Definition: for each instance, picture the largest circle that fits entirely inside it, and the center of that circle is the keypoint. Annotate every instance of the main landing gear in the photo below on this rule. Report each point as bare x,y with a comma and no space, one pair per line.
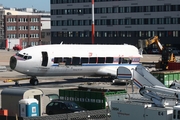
34,81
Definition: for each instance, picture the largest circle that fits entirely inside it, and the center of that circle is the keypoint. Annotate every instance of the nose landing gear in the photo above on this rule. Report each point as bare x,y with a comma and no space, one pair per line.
34,81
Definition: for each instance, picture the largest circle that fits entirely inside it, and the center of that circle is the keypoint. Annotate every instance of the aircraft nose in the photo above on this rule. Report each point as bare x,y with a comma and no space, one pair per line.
13,62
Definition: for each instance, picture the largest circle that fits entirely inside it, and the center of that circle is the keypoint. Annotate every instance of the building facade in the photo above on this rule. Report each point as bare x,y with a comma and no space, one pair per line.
116,21
2,37
25,27
17,23
46,30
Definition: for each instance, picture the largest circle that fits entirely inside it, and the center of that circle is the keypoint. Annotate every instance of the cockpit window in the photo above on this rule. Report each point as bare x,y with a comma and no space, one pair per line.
19,55
26,57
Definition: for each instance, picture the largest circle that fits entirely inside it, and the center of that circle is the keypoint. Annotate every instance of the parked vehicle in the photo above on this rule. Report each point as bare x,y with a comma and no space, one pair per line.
17,47
60,107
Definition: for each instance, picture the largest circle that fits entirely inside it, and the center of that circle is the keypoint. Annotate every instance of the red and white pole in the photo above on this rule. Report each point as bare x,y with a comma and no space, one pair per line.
93,28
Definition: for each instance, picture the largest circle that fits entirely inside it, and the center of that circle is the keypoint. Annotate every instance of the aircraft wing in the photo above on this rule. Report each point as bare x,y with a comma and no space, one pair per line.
107,71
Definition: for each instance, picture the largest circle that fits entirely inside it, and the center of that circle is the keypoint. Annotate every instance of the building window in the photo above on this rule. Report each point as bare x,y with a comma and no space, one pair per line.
11,19
109,10
70,34
59,34
86,22
98,34
103,10
86,34
75,22
81,34
175,33
53,23
34,35
69,22
23,20
65,34
23,35
34,28
42,34
97,22
12,36
115,9
23,27
34,20
104,34
81,22
9,28
121,9
115,21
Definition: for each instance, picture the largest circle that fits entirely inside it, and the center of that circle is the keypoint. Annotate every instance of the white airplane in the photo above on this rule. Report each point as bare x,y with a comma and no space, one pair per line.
74,60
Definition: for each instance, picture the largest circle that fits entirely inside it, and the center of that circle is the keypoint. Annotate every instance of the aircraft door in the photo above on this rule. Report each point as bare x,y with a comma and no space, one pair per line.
44,59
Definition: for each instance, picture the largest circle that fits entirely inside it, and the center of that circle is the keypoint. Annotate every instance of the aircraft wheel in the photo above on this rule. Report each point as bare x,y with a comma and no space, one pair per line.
17,83
34,81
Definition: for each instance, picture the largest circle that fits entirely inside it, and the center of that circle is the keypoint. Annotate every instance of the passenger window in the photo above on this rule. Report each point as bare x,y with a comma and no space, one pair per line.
68,61
92,60
75,60
125,60
57,59
84,60
101,60
109,60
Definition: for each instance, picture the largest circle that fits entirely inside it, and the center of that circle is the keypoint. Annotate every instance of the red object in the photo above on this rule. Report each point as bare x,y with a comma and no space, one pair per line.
17,47
4,112
173,66
7,44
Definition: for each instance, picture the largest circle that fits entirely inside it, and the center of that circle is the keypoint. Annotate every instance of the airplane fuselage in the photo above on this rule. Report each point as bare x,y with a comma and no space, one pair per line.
74,60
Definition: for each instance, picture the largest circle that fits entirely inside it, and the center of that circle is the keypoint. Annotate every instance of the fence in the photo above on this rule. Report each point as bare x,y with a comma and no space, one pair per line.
103,114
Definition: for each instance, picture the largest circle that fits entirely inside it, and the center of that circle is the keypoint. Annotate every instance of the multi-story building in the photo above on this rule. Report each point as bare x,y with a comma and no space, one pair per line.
2,38
116,21
25,24
25,27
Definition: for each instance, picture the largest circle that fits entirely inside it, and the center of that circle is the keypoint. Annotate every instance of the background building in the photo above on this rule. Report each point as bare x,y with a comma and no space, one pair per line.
116,22
25,27
45,30
25,24
2,38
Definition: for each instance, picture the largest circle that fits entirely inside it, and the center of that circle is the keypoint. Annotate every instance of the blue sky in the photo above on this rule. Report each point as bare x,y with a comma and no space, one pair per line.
38,4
